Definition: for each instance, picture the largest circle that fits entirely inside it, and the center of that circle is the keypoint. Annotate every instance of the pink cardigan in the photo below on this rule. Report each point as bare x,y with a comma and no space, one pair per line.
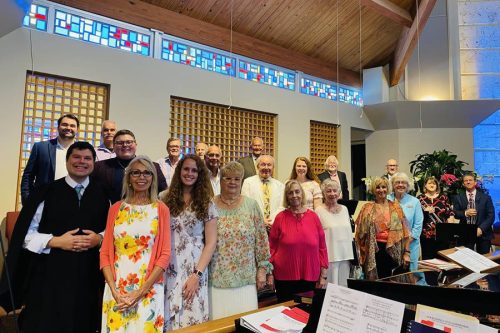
160,255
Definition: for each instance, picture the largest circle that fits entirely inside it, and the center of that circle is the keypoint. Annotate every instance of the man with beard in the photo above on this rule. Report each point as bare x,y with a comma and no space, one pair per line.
212,161
110,172
105,150
53,257
47,159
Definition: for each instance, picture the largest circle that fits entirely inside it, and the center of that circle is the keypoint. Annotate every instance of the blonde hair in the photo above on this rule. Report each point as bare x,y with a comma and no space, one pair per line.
288,186
128,191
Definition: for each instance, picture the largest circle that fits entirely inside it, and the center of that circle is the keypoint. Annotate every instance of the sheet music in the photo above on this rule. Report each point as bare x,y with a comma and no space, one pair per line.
468,279
448,321
471,259
347,311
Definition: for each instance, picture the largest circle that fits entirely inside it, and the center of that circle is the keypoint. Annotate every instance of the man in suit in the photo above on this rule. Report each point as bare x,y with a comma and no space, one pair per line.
250,162
475,207
391,168
331,171
47,158
110,172
267,191
53,256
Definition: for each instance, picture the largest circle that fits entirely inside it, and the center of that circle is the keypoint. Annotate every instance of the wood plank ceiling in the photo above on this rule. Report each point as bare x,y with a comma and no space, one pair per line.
296,34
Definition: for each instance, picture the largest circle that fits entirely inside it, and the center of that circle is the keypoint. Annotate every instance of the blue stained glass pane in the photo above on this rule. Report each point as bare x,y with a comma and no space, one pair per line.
132,37
41,25
177,58
105,32
61,31
42,10
112,42
145,38
26,21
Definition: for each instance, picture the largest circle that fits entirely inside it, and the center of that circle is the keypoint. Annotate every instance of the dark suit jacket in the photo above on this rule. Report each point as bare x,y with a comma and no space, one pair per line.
248,165
344,186
40,168
485,211
104,172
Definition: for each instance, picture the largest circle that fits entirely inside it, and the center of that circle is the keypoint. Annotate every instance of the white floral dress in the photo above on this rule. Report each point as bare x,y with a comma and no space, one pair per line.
186,234
135,230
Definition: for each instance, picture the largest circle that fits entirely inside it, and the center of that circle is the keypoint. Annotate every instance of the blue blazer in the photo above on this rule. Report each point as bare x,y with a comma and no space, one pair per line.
40,168
484,208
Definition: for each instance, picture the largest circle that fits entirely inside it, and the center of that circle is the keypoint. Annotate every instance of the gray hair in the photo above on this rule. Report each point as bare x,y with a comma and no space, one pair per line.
401,176
329,159
262,156
330,183
128,191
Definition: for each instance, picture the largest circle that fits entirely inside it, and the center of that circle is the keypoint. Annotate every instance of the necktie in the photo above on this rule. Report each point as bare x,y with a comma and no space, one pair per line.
78,190
267,199
471,204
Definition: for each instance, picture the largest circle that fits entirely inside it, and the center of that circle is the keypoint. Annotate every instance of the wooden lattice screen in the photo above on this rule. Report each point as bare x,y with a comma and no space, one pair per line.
46,99
232,129
323,143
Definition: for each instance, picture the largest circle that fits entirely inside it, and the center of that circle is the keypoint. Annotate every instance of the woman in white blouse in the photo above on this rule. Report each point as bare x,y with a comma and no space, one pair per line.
338,233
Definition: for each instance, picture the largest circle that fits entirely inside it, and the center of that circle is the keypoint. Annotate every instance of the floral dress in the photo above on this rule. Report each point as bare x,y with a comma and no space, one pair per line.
186,234
135,230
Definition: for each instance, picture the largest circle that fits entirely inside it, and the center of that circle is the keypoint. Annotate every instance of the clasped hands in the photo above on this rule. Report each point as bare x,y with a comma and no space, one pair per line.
70,241
264,279
125,301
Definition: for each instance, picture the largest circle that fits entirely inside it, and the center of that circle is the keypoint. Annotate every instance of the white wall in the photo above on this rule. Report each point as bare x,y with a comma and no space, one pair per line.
405,144
435,83
140,99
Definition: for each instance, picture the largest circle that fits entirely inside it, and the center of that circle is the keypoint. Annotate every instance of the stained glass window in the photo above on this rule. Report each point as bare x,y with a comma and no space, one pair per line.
71,25
266,75
197,57
37,17
329,91
316,88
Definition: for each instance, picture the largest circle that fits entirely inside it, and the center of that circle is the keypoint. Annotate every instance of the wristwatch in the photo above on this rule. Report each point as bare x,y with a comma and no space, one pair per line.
197,272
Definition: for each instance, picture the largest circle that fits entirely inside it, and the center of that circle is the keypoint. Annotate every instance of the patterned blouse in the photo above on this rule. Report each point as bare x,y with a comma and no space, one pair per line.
242,246
442,209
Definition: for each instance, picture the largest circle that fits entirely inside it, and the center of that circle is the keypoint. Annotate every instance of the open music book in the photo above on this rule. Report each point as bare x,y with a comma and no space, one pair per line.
470,259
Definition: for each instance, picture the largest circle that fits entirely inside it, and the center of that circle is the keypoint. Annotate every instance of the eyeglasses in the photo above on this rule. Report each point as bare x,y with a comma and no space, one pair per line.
137,173
213,155
124,143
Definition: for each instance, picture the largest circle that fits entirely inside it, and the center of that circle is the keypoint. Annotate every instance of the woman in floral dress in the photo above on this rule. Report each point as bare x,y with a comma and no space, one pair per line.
437,209
240,265
134,254
194,237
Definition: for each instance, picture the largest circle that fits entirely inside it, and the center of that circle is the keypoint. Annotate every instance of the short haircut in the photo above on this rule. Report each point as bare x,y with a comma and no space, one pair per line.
288,186
435,181
232,168
377,182
173,139
263,156
471,174
404,177
330,159
80,145
327,183
70,116
123,132
127,189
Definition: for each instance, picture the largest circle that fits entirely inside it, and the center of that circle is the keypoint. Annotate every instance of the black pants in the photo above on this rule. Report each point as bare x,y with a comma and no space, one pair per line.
285,289
384,262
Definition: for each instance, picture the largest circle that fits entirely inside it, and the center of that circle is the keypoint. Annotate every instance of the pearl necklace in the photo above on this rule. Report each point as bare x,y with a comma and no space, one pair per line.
229,203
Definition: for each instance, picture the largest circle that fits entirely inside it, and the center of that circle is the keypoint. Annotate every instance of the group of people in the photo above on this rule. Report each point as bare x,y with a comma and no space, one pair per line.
397,229
184,239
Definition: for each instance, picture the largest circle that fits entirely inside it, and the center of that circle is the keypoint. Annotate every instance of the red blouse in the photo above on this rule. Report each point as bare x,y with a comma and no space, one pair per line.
298,247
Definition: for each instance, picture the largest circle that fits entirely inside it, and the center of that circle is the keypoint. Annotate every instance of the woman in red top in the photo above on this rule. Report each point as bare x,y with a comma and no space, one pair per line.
298,248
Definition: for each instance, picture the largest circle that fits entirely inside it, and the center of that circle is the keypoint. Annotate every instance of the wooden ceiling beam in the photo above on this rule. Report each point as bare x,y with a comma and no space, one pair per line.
408,41
389,10
146,15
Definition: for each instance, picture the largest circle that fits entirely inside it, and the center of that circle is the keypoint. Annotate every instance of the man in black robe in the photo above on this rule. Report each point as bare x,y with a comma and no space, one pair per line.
54,255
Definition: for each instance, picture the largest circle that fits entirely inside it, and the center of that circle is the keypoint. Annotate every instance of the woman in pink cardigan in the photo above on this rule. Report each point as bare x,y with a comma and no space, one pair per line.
134,254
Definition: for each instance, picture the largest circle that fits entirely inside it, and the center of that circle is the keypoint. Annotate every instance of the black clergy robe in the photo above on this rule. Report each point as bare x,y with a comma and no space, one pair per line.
62,292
